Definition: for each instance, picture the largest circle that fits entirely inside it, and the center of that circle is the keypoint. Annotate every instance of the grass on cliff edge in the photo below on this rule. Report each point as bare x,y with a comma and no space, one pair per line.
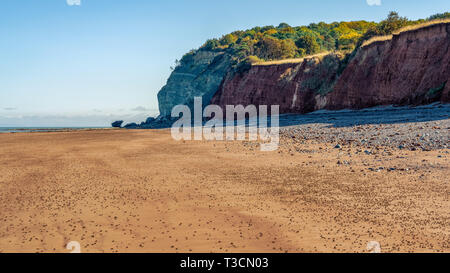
404,29
291,61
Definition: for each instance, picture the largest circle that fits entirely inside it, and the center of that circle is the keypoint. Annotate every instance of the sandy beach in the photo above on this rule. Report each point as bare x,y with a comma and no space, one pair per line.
141,191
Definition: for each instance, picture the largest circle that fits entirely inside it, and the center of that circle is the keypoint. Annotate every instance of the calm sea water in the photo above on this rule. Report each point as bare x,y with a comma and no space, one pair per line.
42,129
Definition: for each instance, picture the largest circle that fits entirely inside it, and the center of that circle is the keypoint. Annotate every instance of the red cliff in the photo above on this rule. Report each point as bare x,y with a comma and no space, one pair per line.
411,68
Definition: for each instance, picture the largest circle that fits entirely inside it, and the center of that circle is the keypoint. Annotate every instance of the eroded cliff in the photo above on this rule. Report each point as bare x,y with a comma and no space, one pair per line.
411,68
293,86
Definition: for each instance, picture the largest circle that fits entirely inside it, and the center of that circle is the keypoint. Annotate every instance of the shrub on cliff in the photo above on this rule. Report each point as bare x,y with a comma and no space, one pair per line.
246,64
386,27
253,59
285,41
392,23
228,39
283,25
188,57
438,16
211,44
270,48
346,42
245,48
309,44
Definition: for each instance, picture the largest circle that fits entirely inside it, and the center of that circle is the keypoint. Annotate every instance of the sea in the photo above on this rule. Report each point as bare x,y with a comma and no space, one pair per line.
43,129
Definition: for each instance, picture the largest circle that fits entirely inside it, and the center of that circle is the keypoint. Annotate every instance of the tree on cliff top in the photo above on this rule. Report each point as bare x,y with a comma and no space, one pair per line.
437,16
309,44
284,41
392,23
270,48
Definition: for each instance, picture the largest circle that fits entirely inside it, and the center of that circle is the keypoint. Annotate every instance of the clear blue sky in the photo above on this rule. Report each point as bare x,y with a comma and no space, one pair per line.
88,64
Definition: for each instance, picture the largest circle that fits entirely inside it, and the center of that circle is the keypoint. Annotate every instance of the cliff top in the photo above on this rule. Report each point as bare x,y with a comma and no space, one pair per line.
284,44
291,61
409,28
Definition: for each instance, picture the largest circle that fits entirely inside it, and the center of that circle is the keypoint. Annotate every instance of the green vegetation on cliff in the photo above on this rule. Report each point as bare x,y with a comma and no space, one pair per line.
286,42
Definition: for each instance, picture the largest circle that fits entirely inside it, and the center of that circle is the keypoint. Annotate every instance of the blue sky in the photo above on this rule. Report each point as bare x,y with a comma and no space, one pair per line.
89,64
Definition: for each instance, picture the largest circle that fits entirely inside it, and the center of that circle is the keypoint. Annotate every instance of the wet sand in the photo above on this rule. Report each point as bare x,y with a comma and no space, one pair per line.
141,191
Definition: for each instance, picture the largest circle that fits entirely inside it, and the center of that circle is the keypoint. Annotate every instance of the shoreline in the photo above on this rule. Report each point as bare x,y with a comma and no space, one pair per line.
13,130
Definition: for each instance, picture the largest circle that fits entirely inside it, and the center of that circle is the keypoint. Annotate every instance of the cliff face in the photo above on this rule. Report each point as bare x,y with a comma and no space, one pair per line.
412,68
199,75
293,86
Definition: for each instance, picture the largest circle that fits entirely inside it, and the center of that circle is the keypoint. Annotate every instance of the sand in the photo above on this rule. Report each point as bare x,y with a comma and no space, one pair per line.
141,191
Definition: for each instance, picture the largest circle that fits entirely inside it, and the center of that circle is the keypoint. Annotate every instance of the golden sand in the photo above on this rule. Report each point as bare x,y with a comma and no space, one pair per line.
141,191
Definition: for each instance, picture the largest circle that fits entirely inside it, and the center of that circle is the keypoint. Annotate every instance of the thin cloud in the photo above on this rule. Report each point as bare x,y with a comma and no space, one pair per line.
68,120
374,2
73,2
140,109
9,108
